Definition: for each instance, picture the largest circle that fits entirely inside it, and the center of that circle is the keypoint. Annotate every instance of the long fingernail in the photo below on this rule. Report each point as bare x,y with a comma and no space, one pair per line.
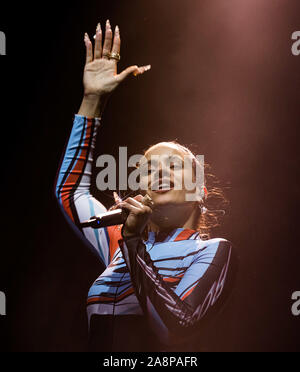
116,197
98,29
108,24
147,68
117,30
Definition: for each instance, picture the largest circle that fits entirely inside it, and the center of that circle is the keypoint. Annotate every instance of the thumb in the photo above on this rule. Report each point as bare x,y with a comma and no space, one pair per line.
125,73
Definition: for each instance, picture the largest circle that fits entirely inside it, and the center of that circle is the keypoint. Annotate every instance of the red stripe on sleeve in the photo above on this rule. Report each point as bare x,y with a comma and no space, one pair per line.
76,172
115,235
188,292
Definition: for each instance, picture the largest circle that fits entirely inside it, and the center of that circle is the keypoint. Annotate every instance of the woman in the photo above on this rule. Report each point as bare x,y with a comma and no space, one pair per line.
161,278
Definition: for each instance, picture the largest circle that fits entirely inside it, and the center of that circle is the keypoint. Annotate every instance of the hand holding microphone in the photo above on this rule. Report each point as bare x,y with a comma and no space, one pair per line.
139,210
134,213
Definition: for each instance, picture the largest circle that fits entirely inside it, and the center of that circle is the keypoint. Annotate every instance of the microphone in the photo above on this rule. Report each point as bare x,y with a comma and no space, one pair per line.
115,217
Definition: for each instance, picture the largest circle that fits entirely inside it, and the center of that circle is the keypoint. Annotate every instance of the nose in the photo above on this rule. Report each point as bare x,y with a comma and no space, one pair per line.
161,171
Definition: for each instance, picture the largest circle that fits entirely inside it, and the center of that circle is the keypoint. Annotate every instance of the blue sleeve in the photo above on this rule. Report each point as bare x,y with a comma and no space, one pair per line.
72,187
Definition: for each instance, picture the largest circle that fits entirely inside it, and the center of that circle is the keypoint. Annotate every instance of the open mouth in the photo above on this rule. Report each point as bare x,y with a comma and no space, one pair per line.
162,186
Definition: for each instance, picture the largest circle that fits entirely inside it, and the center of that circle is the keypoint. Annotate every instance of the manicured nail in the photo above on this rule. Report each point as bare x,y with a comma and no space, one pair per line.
117,30
108,24
116,197
147,68
98,29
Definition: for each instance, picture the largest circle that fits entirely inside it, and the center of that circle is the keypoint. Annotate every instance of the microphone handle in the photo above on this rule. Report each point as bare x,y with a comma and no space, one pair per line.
111,218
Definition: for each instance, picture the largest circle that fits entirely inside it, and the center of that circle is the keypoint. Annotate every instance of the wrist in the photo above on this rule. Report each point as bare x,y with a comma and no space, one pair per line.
92,105
129,235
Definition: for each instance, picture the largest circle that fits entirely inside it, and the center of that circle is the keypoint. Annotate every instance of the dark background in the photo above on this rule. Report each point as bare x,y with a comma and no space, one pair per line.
223,79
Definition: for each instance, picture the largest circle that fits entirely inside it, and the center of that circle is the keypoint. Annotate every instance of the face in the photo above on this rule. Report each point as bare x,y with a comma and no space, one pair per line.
166,173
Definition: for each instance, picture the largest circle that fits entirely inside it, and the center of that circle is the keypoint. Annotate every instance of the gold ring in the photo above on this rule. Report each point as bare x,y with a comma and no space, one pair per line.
115,56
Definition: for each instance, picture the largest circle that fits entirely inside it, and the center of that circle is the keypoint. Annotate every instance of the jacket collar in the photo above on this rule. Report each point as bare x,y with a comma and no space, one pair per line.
174,236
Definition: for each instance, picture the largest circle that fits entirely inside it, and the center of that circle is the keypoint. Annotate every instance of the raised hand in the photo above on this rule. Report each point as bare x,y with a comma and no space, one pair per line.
100,71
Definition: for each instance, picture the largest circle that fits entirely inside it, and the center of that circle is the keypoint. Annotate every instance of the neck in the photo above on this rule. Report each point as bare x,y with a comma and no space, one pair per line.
167,218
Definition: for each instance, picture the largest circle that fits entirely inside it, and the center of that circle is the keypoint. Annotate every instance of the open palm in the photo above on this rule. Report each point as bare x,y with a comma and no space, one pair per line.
100,71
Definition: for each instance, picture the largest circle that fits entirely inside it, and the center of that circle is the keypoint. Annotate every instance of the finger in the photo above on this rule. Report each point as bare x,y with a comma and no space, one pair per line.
89,50
135,210
129,207
147,201
124,74
116,206
141,208
107,40
139,198
134,202
142,69
98,42
117,41
116,197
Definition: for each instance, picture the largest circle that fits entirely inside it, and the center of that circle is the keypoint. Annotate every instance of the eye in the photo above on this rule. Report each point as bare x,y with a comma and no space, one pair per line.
151,170
176,166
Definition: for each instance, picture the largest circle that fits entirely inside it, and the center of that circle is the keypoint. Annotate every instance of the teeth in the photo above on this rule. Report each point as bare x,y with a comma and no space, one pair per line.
164,186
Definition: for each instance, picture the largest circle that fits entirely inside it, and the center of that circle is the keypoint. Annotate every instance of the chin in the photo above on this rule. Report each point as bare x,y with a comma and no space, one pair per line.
170,197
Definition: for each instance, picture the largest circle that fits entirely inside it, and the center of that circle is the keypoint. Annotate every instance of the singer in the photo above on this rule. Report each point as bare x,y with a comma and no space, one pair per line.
164,274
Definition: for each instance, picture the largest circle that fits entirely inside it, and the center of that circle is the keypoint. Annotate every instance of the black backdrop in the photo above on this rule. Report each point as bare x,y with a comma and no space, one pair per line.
223,79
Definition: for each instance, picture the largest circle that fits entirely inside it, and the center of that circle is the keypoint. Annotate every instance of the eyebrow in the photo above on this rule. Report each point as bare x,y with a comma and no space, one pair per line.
171,157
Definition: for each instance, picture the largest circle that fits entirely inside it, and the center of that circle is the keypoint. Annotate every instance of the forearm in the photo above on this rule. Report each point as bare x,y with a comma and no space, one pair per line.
73,185
92,106
74,174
